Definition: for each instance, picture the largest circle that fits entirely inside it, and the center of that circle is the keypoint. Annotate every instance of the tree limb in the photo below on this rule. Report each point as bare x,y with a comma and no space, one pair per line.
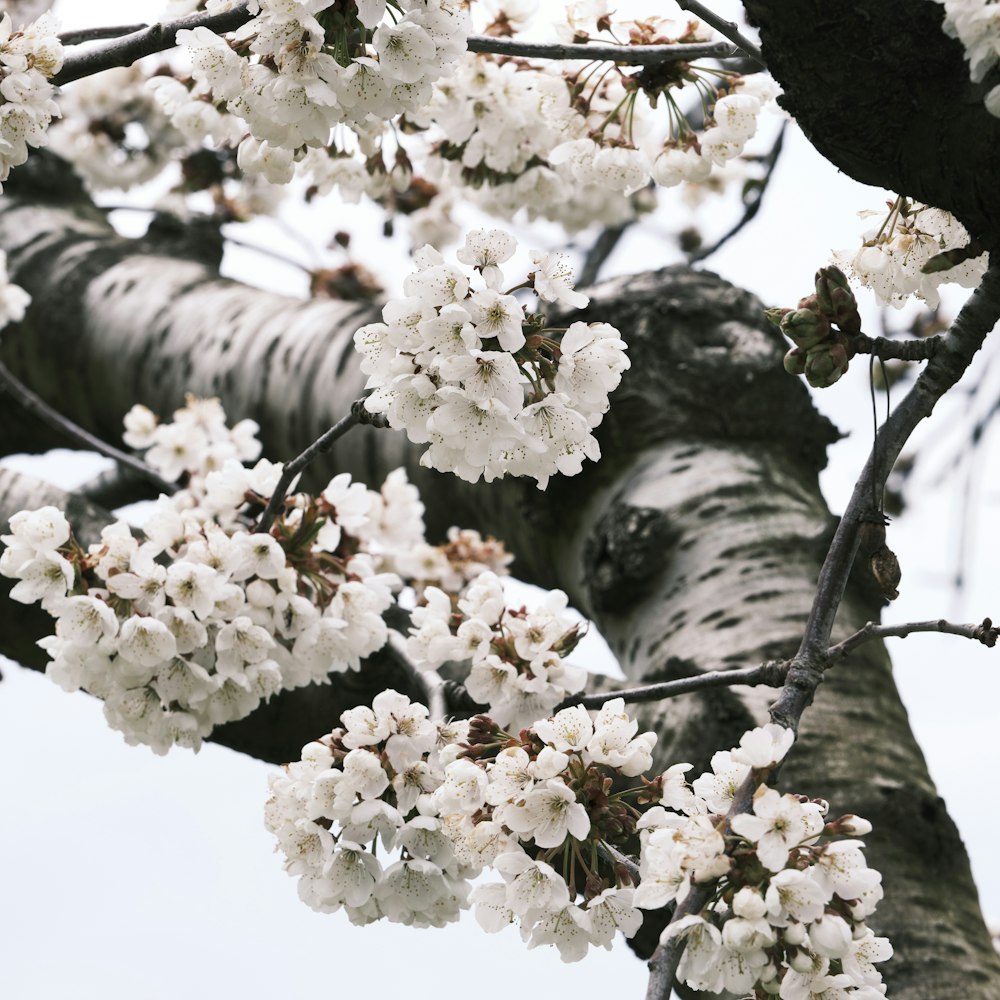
728,29
985,633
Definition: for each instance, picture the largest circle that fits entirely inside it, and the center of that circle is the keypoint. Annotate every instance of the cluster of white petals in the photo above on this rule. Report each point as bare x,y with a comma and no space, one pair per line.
976,24
294,71
28,58
455,799
518,657
199,620
795,924
891,258
367,789
452,366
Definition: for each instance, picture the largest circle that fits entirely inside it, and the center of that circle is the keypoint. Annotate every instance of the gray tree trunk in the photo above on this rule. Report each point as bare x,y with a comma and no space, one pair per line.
694,545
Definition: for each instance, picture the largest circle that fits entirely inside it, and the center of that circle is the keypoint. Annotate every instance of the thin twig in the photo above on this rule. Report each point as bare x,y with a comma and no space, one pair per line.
728,29
36,405
82,35
267,252
985,633
429,683
357,415
751,204
771,673
631,55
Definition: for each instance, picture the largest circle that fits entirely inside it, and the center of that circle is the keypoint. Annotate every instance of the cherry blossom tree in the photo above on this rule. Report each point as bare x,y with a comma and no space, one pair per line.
642,445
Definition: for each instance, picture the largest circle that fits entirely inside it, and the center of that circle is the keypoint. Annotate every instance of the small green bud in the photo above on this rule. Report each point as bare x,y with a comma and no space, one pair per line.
844,310
795,361
805,327
825,365
776,315
827,279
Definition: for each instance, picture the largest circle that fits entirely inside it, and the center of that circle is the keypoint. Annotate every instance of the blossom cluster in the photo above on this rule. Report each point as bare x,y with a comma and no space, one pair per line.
28,58
457,798
294,71
787,914
486,385
551,809
976,24
892,257
202,618
518,658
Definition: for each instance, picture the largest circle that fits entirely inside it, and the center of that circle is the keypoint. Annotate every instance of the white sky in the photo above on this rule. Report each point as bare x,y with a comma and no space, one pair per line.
126,876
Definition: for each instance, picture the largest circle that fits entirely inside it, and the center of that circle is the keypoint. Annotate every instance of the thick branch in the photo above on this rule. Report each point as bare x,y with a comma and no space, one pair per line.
911,349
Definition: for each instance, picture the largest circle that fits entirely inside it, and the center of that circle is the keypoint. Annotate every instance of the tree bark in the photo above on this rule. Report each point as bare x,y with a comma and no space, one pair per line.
885,95
694,545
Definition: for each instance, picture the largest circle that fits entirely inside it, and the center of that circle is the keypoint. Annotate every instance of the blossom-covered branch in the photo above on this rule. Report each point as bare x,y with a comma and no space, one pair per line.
985,632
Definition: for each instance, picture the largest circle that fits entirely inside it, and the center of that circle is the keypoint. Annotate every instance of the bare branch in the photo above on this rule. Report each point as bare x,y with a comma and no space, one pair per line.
951,359
663,964
728,29
632,55
751,204
357,415
912,349
82,35
602,247
986,633
615,857
34,403
771,673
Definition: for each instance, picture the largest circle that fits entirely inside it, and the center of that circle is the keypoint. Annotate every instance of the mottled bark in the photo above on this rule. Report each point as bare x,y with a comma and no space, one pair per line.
694,545
885,95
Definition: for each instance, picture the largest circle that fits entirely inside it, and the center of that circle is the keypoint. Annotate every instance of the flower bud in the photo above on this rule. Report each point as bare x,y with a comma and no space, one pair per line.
850,826
830,936
805,327
825,365
794,935
776,315
885,569
844,311
795,361
801,961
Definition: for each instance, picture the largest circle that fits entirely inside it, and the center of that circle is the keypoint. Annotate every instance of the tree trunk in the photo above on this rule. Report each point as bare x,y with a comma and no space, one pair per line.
694,544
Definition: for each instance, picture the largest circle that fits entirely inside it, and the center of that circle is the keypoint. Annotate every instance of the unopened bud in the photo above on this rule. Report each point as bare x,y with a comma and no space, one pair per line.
801,961
850,826
844,310
776,315
825,365
885,569
805,327
795,361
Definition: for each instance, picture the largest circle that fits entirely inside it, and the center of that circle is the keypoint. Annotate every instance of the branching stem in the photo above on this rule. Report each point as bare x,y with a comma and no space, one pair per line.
728,29
986,633
357,415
